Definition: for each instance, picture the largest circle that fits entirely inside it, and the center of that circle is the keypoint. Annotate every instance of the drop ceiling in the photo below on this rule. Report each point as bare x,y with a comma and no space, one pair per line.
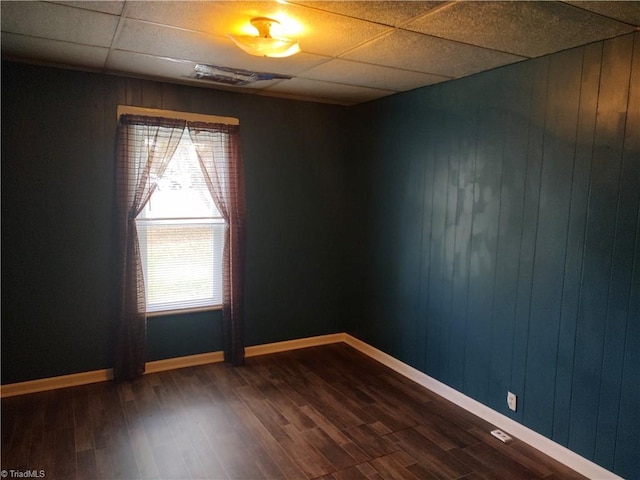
352,51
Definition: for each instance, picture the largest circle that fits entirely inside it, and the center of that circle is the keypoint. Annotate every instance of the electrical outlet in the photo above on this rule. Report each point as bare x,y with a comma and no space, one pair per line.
500,435
512,401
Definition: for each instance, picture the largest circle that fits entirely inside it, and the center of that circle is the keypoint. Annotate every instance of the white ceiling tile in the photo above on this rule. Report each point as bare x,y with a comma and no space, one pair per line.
58,22
318,32
54,51
529,29
120,61
149,66
153,39
626,11
414,51
351,51
198,16
331,34
179,44
326,92
375,76
106,6
386,12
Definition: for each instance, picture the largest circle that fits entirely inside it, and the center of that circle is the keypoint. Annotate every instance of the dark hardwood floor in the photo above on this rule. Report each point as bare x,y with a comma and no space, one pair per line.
325,412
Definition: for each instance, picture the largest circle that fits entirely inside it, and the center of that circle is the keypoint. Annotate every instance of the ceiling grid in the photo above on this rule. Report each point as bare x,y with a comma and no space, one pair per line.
352,51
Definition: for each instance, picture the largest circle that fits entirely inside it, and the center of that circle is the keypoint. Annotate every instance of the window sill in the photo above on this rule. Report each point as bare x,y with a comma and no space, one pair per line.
179,311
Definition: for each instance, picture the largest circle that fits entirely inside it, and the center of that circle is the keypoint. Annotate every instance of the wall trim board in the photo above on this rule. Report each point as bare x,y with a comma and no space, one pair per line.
189,116
95,376
183,362
53,383
523,433
285,346
84,378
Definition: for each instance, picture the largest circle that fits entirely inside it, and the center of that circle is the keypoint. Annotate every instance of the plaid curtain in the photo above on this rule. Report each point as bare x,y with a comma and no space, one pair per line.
145,147
218,149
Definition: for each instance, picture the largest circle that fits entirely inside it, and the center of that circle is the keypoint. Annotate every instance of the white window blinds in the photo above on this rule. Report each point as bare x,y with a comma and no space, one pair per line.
181,237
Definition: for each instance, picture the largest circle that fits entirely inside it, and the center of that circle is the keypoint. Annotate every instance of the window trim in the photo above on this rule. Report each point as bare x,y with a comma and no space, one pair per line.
171,305
190,117
180,311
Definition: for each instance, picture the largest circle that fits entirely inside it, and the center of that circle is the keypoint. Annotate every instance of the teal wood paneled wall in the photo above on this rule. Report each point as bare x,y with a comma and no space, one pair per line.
58,252
501,245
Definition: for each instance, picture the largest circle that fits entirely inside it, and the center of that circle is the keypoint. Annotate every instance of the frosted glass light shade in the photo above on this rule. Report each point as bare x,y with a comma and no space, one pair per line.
264,45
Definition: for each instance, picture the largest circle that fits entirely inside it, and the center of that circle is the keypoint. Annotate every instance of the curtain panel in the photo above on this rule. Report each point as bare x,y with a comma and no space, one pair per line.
145,145
218,150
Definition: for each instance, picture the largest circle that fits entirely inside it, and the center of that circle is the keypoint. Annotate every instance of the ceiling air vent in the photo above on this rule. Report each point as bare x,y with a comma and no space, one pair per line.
232,76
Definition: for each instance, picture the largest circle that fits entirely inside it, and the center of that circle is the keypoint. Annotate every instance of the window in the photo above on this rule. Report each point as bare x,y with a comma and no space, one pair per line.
181,237
175,251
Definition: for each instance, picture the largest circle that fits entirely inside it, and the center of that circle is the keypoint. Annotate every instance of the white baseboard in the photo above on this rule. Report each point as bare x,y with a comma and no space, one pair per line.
53,383
525,434
537,441
183,362
95,376
268,348
84,378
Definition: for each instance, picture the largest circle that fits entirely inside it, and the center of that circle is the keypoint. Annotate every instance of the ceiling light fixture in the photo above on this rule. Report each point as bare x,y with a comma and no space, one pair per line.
264,45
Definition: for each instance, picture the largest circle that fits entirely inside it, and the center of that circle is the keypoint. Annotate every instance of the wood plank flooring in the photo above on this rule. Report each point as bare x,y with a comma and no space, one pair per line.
324,412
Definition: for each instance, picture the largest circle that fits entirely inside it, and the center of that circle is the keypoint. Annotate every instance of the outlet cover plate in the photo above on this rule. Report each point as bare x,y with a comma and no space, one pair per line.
500,435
